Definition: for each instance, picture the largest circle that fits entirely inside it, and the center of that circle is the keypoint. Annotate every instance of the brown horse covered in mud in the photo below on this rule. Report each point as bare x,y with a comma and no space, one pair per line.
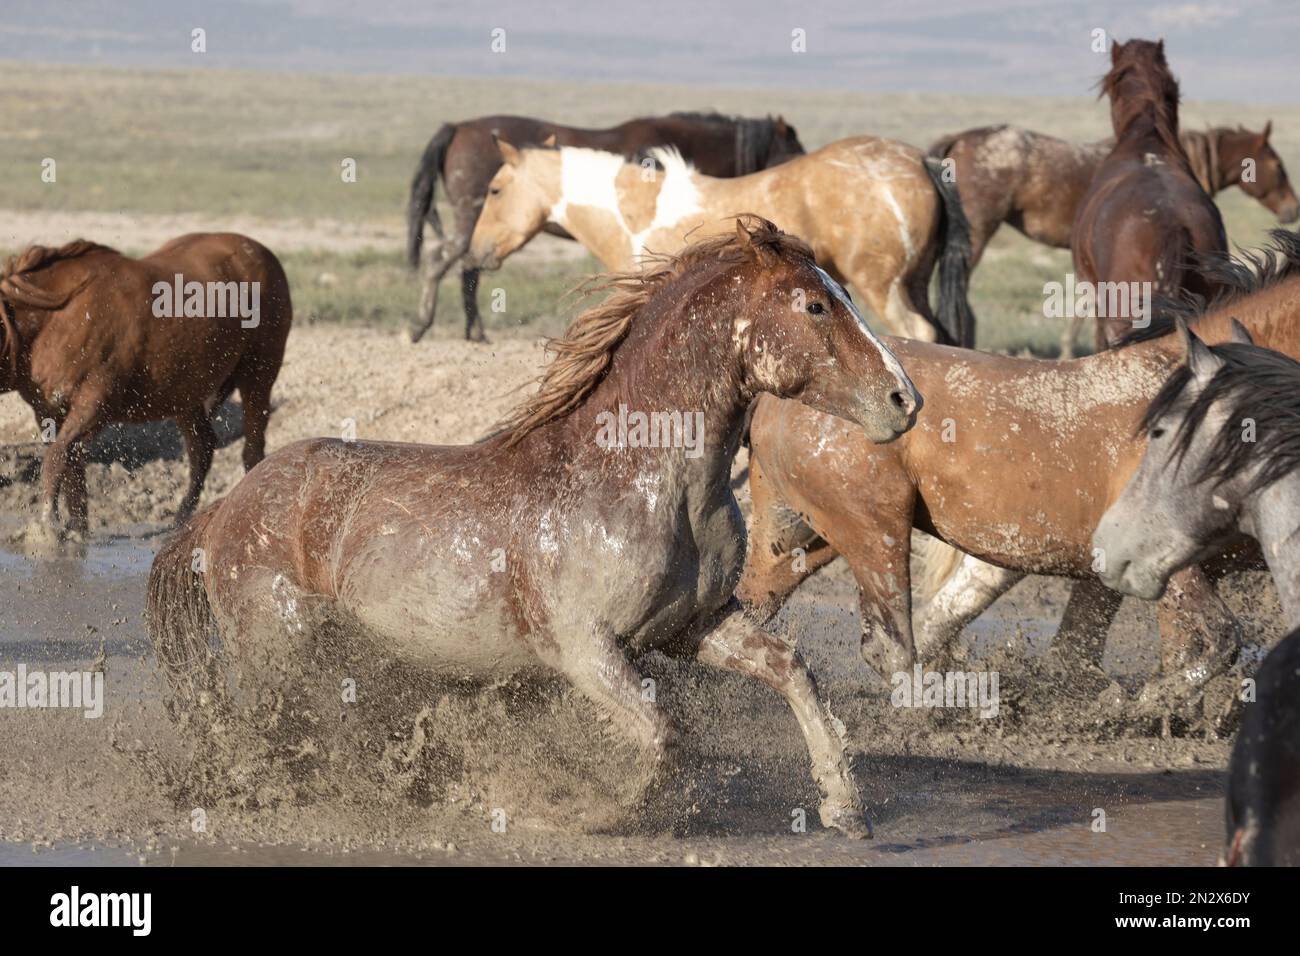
558,544
91,336
876,212
1014,461
1145,221
464,156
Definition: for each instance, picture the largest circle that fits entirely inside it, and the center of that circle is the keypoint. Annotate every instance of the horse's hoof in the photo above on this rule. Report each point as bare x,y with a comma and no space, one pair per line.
416,332
851,821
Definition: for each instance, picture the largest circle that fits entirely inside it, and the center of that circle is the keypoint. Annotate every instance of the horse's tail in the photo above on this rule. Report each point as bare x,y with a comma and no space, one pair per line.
938,562
954,314
421,207
177,611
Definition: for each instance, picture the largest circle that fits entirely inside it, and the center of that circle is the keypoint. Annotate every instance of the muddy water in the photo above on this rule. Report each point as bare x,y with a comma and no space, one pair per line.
77,791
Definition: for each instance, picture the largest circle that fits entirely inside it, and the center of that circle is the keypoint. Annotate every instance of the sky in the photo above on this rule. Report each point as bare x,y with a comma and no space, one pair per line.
1244,50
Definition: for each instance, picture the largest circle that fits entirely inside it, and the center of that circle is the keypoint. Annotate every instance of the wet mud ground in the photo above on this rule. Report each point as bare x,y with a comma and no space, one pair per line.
1025,787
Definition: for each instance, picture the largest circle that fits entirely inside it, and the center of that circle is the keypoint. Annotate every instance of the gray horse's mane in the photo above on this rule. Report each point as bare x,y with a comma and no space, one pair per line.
1237,277
1254,383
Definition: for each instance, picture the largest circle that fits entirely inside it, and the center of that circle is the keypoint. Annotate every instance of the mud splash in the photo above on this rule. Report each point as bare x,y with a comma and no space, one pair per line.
114,790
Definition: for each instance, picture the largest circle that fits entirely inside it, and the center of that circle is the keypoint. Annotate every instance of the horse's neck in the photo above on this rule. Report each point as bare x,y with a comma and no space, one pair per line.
1272,517
601,231
684,367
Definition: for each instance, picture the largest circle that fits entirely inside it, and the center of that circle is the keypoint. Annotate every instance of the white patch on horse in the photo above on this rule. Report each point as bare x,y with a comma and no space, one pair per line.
587,178
678,197
891,363
903,233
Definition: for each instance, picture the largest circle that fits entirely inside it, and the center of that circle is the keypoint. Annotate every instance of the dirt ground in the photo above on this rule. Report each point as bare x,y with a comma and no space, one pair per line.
1027,786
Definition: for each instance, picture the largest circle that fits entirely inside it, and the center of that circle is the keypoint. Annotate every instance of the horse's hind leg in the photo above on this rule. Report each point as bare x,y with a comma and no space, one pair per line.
200,443
737,644
967,593
65,452
74,490
469,297
439,262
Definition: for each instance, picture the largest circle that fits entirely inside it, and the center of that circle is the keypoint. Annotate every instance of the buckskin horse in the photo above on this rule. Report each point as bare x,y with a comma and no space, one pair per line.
1067,428
875,211
1144,221
609,551
464,156
85,344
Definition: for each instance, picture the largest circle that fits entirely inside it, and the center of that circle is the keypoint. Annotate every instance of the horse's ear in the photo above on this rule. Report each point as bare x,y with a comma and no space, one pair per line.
1115,47
1268,131
1240,334
1201,362
509,155
549,142
748,240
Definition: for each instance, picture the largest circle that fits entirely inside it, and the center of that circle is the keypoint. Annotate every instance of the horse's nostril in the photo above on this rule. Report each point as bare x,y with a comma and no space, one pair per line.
901,400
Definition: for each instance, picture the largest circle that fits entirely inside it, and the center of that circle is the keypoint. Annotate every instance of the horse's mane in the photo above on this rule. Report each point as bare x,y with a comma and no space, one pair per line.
1202,151
17,289
1255,383
584,353
1235,277
753,136
15,286
1154,92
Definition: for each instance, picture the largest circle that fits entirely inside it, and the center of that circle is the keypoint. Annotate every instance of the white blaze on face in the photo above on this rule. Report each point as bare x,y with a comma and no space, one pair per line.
891,363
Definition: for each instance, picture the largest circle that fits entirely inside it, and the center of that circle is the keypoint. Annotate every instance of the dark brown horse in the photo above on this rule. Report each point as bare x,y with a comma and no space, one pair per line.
1145,221
91,336
597,524
465,157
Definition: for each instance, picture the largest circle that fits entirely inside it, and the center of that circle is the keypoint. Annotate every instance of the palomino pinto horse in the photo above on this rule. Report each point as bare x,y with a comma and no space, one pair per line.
611,549
874,211
1144,219
1199,486
84,346
1064,429
464,155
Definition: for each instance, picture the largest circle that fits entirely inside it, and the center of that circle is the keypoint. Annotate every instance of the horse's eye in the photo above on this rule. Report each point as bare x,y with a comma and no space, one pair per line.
816,308
1157,433
494,191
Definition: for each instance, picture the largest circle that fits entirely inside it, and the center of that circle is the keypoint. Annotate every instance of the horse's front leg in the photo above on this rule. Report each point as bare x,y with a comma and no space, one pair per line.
601,672
737,644
1199,639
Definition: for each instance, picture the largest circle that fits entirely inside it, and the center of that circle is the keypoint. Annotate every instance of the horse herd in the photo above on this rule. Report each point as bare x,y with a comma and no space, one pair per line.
541,549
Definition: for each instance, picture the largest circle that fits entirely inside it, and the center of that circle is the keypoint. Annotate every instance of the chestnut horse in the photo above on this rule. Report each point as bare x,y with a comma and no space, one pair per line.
1035,182
464,156
1064,430
875,211
554,545
1144,219
91,336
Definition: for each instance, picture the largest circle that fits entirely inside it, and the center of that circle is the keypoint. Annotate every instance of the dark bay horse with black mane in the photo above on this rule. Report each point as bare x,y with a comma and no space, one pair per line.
1145,221
464,156
552,545
87,339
